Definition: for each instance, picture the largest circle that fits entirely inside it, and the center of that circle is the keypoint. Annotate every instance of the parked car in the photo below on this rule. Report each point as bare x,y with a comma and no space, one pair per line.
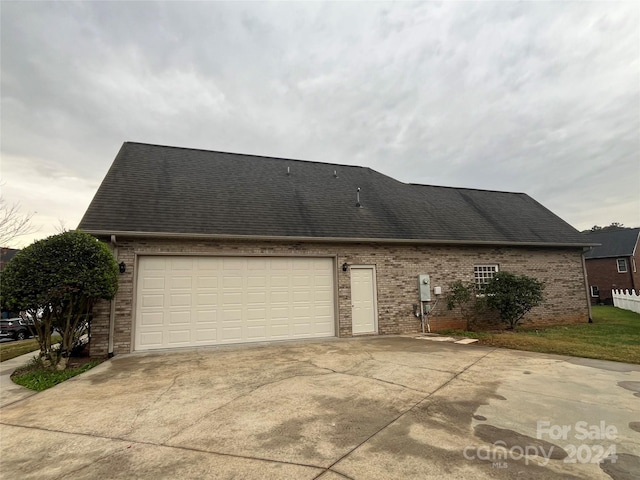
16,328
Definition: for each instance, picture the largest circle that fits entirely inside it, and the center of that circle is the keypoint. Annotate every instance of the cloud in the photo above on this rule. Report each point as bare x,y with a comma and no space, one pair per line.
535,97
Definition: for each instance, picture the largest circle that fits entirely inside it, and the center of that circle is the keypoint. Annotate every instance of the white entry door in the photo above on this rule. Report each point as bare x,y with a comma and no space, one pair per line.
363,300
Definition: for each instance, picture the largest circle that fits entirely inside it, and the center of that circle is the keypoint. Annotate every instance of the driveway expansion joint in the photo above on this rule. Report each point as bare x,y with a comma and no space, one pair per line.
163,445
402,414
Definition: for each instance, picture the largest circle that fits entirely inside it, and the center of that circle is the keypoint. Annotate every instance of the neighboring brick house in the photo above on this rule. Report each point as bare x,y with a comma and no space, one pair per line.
612,264
223,248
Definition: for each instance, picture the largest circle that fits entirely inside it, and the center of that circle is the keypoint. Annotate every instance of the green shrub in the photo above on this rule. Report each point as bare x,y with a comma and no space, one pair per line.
57,281
512,296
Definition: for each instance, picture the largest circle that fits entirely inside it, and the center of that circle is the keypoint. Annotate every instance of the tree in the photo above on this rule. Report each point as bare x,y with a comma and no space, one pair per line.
56,281
13,224
513,296
609,228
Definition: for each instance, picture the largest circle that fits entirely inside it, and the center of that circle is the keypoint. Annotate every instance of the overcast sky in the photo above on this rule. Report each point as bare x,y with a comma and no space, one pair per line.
534,97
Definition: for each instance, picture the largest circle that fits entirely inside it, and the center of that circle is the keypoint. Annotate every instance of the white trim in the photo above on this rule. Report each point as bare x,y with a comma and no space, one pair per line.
138,256
375,298
409,241
626,265
596,295
494,266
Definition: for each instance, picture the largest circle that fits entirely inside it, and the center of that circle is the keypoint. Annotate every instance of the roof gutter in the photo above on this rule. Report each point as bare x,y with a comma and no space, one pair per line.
416,241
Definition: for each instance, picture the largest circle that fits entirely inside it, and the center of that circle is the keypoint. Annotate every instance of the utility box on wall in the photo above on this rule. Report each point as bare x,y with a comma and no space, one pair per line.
424,286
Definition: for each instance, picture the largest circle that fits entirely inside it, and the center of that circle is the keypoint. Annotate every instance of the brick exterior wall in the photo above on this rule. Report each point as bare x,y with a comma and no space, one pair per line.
397,269
603,273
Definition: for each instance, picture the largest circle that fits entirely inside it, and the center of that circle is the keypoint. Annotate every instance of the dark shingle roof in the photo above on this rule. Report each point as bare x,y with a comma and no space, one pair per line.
169,190
616,243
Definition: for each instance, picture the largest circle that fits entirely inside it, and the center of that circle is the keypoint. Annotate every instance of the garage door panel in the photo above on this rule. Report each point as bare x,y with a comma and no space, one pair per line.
203,317
279,298
279,281
321,329
206,299
179,336
232,281
234,298
323,297
181,282
234,263
207,263
279,313
302,296
211,300
302,264
151,340
276,264
180,300
206,336
323,281
149,301
153,283
301,311
178,264
300,281
257,264
257,332
152,319
257,281
207,282
232,315
256,314
256,298
232,334
179,318
323,312
301,329
280,331
153,263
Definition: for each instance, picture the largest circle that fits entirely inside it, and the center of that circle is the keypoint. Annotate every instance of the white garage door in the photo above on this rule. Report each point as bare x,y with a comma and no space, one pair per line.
187,301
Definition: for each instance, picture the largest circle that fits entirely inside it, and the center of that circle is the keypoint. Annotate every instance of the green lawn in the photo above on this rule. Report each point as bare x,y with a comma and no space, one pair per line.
613,335
11,350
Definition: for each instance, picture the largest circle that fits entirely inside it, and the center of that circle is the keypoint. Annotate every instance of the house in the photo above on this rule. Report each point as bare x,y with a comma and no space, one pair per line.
6,254
218,248
612,264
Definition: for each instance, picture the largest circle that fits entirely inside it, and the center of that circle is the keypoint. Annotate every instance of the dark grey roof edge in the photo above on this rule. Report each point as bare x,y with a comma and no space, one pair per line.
473,189
108,233
609,256
254,155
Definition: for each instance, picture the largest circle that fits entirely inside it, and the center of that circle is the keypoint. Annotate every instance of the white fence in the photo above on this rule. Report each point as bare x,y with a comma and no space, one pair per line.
627,300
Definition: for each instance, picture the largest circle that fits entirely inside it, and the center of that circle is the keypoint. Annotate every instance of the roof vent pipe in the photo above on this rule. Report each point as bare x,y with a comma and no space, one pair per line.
358,198
288,171
335,174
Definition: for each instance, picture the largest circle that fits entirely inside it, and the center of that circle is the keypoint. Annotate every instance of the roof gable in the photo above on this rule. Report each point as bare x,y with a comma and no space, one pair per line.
169,190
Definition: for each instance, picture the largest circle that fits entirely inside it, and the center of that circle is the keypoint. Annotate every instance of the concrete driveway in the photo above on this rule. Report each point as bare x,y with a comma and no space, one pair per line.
367,408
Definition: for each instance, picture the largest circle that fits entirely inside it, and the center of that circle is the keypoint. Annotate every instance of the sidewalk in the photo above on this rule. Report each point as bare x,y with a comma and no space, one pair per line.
9,391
